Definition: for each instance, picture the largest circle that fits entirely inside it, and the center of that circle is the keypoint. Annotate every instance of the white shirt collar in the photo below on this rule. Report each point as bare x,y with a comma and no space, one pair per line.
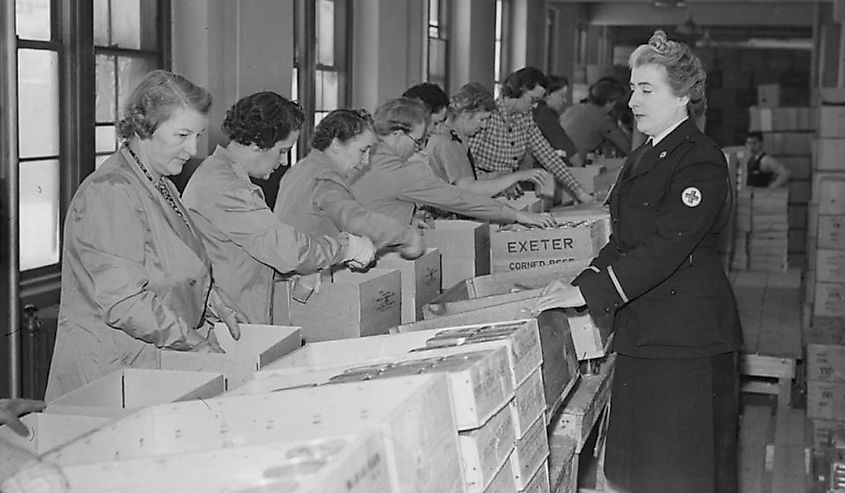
663,134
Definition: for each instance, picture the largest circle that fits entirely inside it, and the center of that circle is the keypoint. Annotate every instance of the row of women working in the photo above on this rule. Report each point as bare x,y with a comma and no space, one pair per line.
143,268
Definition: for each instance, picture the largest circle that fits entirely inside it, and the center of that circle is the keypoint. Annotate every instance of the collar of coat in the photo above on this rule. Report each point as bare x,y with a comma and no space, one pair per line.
650,156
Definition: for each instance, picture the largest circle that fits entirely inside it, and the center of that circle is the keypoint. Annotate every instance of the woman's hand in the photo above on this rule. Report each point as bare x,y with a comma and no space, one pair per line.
413,249
221,307
12,409
557,295
210,344
584,197
534,219
537,175
360,252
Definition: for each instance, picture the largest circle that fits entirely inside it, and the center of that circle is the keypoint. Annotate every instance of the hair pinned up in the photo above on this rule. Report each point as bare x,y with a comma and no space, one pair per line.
684,70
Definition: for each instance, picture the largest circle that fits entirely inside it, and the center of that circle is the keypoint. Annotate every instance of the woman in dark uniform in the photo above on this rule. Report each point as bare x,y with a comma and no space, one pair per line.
673,418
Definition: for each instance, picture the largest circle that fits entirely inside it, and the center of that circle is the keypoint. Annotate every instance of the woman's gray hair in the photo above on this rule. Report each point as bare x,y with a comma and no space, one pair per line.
154,100
684,70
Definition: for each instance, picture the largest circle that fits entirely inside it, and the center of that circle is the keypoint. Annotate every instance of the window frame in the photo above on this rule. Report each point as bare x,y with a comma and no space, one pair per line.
442,30
72,36
305,64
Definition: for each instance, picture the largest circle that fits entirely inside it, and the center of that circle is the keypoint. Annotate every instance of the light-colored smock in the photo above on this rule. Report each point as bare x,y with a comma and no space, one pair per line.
247,243
393,186
314,197
135,277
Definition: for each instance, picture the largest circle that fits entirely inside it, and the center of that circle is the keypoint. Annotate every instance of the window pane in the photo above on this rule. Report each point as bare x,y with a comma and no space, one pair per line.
101,22
436,59
38,103
105,138
326,91
325,32
39,213
33,19
106,94
433,12
130,71
133,24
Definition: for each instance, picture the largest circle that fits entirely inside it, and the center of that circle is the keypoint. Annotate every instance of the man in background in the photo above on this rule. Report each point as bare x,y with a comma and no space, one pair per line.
760,169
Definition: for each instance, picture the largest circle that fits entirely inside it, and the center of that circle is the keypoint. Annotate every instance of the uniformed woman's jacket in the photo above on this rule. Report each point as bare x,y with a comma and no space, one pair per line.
660,275
135,277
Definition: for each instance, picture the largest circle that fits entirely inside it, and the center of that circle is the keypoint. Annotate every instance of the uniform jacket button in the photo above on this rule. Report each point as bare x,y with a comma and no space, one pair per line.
606,309
192,282
645,204
673,292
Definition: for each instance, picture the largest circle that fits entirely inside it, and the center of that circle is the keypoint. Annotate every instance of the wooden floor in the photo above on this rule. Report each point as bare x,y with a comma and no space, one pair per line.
775,442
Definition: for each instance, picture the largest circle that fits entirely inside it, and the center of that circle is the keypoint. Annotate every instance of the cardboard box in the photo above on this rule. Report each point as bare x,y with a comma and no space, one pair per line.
485,450
516,248
258,346
122,391
831,121
822,429
586,212
421,280
829,299
828,154
768,95
826,400
527,202
479,378
412,413
343,464
49,431
464,248
830,265
355,304
829,193
530,453
831,231
826,362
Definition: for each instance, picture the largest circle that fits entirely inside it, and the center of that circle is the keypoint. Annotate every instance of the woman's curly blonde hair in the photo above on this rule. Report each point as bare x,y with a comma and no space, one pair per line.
684,70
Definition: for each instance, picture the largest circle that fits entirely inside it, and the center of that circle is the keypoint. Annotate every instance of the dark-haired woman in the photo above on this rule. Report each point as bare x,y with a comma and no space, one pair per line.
135,273
247,243
394,185
674,399
589,123
314,195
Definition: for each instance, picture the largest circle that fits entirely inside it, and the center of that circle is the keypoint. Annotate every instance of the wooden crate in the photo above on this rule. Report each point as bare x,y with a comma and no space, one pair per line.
354,304
486,449
421,280
412,413
521,338
517,248
503,481
540,483
530,453
258,346
584,406
48,431
122,391
341,464
464,248
479,379
563,464
586,212
529,403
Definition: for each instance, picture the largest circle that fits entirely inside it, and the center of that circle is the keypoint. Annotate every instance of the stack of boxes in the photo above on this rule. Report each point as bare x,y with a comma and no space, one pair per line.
825,276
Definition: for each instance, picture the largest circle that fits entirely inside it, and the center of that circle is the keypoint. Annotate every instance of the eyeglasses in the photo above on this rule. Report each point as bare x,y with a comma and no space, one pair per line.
419,144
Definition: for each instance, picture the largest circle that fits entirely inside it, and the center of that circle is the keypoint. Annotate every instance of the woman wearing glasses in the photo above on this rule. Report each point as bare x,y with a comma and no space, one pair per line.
393,185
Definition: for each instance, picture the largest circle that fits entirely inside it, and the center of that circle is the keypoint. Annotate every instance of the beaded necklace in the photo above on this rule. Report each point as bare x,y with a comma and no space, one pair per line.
159,185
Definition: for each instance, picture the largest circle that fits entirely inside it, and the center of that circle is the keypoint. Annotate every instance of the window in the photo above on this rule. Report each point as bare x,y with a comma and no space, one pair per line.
500,53
72,77
126,47
321,63
437,43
